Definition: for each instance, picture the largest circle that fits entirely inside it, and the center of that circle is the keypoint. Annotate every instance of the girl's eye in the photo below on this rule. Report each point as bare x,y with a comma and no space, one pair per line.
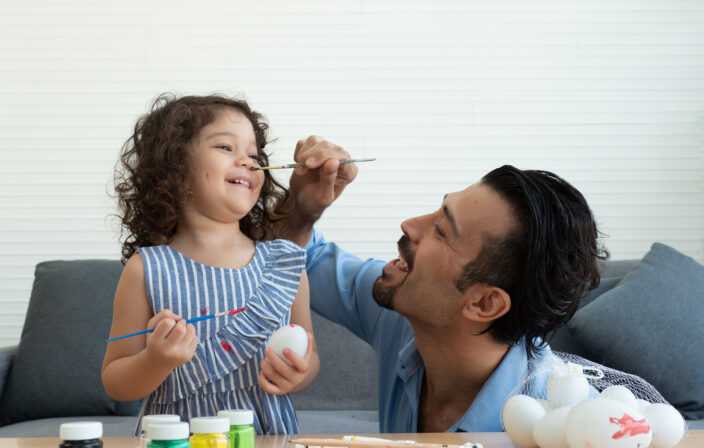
254,157
225,147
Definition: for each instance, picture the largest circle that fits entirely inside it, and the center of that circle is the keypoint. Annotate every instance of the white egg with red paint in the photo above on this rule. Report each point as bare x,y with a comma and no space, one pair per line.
606,423
291,336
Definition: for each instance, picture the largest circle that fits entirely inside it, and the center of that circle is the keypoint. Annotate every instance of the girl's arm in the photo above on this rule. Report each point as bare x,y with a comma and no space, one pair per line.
284,377
134,367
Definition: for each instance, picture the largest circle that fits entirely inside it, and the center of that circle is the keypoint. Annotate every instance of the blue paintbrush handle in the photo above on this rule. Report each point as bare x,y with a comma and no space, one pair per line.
189,321
196,319
130,335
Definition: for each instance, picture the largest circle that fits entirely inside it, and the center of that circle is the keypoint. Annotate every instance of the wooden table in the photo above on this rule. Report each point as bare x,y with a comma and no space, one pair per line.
693,439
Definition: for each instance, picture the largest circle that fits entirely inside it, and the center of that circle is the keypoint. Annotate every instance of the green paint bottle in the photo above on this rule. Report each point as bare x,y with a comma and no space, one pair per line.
241,427
169,435
148,420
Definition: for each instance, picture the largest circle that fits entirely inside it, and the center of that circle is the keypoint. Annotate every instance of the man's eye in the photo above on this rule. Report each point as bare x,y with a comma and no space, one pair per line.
225,147
439,232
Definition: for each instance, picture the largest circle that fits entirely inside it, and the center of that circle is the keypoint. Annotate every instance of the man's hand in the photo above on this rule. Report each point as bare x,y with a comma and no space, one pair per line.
313,187
173,341
277,377
323,179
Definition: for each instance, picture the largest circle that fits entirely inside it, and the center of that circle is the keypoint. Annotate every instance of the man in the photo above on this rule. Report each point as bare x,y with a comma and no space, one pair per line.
478,286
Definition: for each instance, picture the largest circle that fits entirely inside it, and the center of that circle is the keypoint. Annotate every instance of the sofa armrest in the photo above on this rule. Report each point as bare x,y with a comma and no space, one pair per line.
7,355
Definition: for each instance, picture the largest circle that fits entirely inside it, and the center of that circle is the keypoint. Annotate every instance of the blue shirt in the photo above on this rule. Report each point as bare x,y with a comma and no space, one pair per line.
341,290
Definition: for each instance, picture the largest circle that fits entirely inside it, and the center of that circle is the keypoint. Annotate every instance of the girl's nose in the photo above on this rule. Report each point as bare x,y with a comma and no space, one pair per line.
246,162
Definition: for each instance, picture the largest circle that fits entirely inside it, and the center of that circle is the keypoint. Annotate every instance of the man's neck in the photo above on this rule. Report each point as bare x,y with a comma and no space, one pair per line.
457,364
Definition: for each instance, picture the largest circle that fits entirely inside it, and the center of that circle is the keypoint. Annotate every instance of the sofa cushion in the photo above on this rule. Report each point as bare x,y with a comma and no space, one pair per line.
56,370
348,374
113,426
649,325
563,340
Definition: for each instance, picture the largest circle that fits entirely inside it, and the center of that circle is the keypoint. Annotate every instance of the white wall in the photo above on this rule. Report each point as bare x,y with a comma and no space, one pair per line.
609,94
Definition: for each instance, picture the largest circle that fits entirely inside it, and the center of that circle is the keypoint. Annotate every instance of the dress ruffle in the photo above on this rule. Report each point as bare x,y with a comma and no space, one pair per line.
242,337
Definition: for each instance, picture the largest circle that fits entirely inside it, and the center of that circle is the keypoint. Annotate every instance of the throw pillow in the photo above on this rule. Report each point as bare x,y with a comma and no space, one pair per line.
56,370
563,340
650,325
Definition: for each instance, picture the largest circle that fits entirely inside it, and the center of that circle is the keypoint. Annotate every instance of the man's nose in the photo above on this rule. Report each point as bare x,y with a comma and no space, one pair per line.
416,227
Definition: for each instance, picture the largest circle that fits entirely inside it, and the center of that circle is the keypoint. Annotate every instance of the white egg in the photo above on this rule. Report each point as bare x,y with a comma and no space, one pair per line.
549,431
620,393
291,336
520,413
567,388
667,423
606,423
545,404
642,405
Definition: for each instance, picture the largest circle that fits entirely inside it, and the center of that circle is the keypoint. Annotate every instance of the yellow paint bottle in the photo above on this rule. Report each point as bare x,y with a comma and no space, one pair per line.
210,432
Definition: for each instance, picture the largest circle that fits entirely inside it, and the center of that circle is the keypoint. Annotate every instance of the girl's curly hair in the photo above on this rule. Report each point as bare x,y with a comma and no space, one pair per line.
152,176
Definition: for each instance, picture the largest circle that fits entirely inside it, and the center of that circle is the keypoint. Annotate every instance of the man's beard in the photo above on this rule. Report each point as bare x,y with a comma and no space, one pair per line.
384,295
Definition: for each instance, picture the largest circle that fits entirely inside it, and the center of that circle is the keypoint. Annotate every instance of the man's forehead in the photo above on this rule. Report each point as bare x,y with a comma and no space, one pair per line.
478,208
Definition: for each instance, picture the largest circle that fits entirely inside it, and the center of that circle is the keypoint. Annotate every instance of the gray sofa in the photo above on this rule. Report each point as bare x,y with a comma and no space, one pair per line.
53,376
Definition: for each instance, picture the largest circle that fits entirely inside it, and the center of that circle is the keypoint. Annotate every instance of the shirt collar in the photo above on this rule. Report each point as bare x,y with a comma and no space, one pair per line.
409,360
484,415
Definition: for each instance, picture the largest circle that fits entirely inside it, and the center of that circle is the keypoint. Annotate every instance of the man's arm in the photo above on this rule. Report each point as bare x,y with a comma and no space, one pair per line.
341,287
340,283
312,189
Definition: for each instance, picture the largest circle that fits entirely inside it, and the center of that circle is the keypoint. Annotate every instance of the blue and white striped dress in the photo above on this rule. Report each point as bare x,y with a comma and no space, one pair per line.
223,373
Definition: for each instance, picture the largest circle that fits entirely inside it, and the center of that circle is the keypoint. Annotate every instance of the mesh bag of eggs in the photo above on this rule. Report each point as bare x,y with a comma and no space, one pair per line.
578,403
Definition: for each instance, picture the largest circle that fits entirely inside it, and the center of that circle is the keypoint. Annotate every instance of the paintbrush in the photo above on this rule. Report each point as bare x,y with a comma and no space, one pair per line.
377,443
299,165
189,321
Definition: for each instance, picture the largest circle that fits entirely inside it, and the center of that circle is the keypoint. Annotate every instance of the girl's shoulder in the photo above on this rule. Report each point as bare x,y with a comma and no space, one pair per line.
144,250
134,267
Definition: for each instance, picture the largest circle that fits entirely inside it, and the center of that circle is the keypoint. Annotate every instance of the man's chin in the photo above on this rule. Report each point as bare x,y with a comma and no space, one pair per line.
383,293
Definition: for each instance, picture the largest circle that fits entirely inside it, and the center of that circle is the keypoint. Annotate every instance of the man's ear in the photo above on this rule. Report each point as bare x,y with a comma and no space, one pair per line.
486,303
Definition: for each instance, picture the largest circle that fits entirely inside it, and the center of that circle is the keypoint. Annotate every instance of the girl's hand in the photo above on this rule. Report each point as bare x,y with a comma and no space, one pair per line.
277,376
173,341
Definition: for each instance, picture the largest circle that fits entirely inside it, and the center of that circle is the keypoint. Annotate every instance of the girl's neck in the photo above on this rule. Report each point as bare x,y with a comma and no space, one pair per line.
222,245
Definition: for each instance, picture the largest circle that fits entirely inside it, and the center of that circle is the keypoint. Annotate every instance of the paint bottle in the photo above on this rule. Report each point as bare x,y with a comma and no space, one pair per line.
169,435
241,427
148,420
81,435
210,432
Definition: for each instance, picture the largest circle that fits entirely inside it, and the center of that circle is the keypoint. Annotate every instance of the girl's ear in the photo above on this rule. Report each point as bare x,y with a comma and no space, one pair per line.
486,303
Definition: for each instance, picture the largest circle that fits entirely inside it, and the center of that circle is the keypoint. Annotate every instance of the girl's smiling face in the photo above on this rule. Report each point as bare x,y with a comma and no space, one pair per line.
223,186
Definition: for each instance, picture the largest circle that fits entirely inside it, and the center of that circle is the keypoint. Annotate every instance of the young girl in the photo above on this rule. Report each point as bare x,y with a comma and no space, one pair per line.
195,215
